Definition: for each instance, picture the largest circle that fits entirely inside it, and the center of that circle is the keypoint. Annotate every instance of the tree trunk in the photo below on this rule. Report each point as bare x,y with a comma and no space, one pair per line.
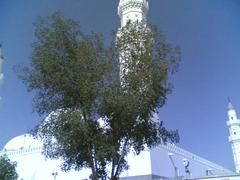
113,168
92,165
116,174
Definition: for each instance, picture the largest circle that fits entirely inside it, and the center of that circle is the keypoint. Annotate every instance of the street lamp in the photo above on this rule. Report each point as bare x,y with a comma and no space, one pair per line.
186,164
54,174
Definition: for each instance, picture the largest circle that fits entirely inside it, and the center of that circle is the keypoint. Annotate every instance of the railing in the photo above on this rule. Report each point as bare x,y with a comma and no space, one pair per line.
234,138
177,150
233,122
21,152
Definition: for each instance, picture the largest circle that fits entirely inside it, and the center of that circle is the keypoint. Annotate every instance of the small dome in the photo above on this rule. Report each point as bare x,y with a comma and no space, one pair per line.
22,142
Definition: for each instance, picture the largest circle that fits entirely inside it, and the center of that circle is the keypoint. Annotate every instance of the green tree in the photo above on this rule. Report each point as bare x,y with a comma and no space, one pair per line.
67,73
7,169
94,116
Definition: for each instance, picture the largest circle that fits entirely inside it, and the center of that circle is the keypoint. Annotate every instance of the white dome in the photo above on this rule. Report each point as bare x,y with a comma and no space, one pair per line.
22,142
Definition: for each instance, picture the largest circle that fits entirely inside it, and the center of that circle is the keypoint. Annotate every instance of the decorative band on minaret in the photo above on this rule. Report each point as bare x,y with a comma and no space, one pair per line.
132,10
233,124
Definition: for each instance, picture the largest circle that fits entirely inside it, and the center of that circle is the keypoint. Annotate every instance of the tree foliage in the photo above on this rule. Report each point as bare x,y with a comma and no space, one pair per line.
7,169
96,117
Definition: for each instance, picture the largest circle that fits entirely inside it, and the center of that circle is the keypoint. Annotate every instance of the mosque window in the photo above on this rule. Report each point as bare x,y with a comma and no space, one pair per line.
234,133
232,118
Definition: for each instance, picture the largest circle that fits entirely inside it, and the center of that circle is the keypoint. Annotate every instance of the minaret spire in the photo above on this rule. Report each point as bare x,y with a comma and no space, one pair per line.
230,105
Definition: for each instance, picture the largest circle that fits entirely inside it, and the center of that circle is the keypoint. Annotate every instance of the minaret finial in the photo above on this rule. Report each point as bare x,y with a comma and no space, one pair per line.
229,100
230,105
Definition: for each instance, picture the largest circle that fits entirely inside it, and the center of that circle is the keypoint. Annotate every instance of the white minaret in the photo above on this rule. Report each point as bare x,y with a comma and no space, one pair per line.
234,137
132,10
1,74
1,62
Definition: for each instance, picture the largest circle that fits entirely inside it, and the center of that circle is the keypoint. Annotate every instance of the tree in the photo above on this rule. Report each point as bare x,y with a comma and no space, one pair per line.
7,169
67,72
96,117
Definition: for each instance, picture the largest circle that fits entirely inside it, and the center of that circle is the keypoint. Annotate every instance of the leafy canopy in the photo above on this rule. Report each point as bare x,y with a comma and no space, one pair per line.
102,101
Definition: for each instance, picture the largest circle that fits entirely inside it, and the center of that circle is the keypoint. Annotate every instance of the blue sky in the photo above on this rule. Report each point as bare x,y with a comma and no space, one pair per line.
207,32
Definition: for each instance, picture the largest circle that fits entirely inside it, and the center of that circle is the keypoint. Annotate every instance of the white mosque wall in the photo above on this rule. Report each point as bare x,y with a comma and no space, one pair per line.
32,165
139,165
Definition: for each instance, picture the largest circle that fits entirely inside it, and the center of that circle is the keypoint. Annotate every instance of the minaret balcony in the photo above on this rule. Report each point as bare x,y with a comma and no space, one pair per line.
234,138
1,78
125,5
233,122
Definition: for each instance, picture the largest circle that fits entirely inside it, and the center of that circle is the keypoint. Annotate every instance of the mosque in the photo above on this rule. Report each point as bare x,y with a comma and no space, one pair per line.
164,162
